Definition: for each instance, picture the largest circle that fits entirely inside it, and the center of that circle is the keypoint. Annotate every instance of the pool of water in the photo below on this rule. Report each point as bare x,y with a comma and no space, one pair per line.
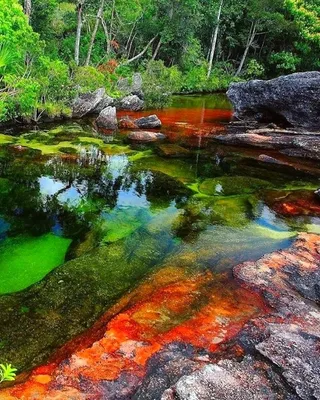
86,216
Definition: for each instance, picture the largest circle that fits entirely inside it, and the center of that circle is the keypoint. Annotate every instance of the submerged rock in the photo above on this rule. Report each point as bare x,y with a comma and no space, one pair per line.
150,122
145,136
86,103
131,103
292,99
127,123
108,119
294,145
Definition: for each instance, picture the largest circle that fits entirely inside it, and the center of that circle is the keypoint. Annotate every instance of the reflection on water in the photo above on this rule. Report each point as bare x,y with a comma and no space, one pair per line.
116,211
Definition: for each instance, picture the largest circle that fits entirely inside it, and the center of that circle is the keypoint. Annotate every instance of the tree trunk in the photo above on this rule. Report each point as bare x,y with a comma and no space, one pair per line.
105,28
95,30
214,40
154,56
28,8
141,53
251,37
79,29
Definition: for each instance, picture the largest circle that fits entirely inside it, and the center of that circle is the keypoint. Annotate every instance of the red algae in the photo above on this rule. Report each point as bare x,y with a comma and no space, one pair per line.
202,309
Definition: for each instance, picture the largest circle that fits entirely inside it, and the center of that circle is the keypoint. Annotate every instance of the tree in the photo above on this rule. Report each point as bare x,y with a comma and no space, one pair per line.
214,38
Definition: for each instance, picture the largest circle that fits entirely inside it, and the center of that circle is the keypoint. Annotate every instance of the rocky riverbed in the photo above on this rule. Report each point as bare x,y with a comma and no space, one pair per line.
259,341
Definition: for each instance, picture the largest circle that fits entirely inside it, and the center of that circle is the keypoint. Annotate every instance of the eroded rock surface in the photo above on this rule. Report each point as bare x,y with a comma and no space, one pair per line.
292,99
228,350
130,103
108,119
86,104
150,122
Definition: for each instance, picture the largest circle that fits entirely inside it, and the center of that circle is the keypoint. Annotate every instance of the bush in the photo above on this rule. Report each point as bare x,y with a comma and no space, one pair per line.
88,79
285,62
254,70
159,83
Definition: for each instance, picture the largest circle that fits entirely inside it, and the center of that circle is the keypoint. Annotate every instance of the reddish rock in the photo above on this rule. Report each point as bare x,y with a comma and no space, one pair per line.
294,203
127,123
145,136
180,336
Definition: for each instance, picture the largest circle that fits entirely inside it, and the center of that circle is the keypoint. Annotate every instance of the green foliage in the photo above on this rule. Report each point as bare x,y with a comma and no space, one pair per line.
159,83
285,62
7,373
88,79
254,69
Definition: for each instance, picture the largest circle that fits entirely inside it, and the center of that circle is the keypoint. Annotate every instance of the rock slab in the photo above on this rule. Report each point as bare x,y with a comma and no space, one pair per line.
86,104
291,99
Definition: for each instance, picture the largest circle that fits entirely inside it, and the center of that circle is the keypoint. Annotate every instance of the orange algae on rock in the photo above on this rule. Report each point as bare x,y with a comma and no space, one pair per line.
171,305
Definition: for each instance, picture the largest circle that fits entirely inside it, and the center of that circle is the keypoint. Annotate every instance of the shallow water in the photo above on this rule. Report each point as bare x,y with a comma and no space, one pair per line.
85,216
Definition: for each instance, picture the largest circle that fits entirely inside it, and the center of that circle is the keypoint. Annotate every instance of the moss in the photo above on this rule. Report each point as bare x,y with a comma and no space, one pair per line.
177,169
6,139
121,223
73,296
25,260
232,185
114,149
84,140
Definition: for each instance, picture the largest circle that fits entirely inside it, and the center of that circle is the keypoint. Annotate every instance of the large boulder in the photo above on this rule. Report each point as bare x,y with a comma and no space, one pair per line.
150,122
86,103
107,101
108,119
292,99
145,136
131,103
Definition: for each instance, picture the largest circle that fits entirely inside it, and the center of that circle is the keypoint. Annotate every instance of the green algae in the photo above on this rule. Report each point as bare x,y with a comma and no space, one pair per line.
180,170
121,223
26,260
232,185
71,298
6,139
114,149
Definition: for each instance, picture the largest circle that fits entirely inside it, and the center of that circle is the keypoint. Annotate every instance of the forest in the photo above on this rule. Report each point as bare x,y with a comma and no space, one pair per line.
51,51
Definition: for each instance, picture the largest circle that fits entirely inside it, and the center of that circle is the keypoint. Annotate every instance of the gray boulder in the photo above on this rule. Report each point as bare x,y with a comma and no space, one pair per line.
292,99
131,103
86,103
150,122
108,119
107,101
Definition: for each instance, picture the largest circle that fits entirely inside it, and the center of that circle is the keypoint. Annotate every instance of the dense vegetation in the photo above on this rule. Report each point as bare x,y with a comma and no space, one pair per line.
51,50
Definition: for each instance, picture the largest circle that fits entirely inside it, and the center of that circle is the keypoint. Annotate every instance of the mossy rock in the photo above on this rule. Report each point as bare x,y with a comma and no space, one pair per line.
232,185
177,169
173,151
68,150
70,299
6,139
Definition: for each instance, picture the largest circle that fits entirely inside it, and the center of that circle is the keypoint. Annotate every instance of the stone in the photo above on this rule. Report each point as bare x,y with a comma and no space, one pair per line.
145,136
135,87
85,104
131,103
150,122
293,145
107,101
127,123
173,151
108,119
292,100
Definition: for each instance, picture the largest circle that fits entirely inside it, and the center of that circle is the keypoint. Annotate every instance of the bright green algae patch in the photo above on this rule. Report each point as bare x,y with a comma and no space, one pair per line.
232,185
26,260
